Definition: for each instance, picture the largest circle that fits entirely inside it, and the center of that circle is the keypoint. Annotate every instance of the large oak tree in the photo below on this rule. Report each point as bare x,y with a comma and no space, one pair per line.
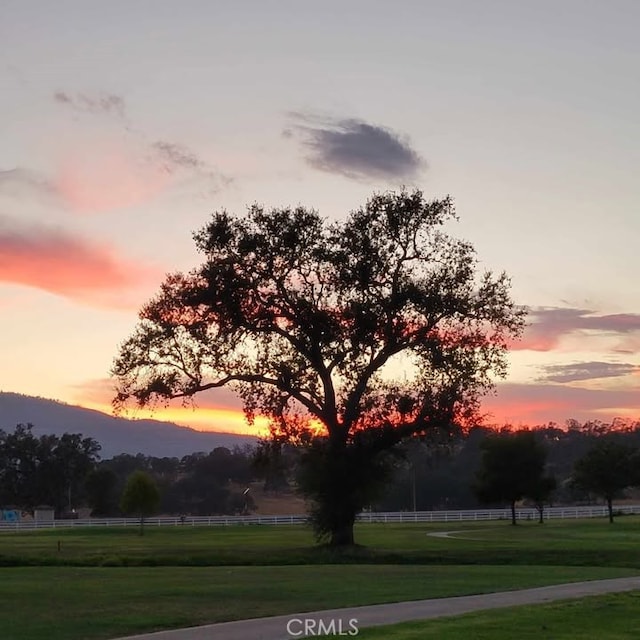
350,336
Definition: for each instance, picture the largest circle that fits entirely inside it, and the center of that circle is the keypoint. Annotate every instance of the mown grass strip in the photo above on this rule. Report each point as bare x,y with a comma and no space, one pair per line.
64,603
609,617
580,543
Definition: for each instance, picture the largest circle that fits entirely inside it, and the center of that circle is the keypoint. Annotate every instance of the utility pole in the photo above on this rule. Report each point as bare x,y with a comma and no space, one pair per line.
413,475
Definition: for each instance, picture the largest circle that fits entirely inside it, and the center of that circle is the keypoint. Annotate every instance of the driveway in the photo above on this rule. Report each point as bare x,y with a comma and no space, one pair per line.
341,621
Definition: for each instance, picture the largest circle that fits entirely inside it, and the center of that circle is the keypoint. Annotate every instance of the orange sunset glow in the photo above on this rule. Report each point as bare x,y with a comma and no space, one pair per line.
199,418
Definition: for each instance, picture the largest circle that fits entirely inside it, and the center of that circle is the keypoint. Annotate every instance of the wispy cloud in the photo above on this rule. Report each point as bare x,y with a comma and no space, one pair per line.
20,182
586,371
355,148
628,345
64,264
176,159
548,325
175,155
146,158
102,103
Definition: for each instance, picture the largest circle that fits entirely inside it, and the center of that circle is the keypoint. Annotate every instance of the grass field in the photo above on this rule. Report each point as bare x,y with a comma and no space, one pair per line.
105,583
68,603
566,542
610,617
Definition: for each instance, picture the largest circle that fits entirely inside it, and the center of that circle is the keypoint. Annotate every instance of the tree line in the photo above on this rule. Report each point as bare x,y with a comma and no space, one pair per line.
549,464
66,473
577,463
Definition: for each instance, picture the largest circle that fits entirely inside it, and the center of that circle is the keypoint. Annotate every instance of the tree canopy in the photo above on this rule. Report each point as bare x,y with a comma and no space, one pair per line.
350,336
44,470
140,496
512,468
606,470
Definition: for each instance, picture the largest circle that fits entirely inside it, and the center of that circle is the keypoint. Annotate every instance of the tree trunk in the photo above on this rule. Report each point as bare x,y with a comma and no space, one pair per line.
331,476
610,507
343,509
342,536
540,514
141,525
340,479
513,513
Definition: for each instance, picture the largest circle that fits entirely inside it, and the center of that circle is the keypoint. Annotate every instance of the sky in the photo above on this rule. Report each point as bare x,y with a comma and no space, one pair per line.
124,125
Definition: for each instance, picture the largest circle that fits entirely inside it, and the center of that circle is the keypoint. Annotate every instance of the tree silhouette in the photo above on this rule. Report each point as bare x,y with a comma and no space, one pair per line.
512,468
540,494
44,470
349,336
100,488
606,470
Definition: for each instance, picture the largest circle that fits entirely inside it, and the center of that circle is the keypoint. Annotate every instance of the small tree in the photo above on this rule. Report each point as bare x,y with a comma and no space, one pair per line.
540,493
605,470
141,496
512,468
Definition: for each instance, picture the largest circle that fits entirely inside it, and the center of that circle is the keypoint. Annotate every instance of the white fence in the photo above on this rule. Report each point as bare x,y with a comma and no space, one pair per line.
388,517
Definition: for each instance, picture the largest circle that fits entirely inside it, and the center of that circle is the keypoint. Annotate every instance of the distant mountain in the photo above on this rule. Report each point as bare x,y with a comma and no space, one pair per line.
116,435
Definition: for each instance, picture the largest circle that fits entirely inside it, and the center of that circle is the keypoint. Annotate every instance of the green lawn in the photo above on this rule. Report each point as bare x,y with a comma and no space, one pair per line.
610,617
585,543
110,582
73,603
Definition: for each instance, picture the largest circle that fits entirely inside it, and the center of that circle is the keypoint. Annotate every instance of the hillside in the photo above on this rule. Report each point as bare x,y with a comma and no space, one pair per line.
116,435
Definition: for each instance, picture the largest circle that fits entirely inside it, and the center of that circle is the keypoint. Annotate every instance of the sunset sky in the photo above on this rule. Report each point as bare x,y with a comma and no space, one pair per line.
126,124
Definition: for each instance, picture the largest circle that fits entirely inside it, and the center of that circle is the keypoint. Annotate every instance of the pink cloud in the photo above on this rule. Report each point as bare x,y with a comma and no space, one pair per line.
108,177
539,403
549,325
67,265
127,166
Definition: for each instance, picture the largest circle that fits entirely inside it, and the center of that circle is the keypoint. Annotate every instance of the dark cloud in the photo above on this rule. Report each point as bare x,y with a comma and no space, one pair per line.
586,371
102,103
357,149
548,325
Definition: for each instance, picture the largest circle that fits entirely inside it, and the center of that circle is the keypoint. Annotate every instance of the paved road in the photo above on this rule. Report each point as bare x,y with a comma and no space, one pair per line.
292,626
